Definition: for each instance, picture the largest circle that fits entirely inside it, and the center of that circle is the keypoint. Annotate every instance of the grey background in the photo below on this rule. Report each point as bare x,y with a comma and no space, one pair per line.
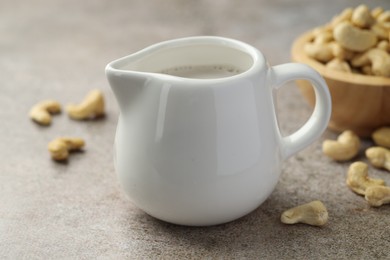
59,48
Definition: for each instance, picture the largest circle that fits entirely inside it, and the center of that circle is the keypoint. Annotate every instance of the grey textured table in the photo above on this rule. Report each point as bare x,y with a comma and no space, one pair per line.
59,48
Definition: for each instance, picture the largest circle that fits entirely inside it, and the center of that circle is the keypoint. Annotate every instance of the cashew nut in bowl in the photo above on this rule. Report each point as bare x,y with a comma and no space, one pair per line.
378,195
376,12
91,107
380,31
340,52
380,62
326,51
384,17
319,51
345,15
340,65
323,37
345,148
41,112
358,180
361,17
353,38
383,45
59,148
381,137
313,213
379,157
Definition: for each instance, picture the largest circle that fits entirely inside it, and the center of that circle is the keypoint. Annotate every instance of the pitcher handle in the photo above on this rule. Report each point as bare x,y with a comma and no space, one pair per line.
318,120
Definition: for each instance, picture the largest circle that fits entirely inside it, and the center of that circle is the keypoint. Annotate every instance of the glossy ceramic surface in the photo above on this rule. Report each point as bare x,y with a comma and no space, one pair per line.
204,151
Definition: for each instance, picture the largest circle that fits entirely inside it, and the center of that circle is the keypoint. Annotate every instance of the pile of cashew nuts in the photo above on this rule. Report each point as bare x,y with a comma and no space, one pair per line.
355,41
91,107
347,147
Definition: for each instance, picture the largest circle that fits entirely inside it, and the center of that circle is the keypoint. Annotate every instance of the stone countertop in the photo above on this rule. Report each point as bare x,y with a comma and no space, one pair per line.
58,49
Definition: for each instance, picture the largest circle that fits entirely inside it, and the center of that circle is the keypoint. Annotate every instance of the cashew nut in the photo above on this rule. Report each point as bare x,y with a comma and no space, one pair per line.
319,51
378,58
383,17
340,52
353,38
362,17
386,25
380,61
59,148
381,32
91,107
345,15
367,70
383,45
313,213
321,29
323,37
377,195
360,60
382,137
358,180
376,12
41,112
379,157
345,148
340,65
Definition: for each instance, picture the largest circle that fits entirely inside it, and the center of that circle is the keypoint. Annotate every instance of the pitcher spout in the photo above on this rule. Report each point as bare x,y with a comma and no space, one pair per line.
126,85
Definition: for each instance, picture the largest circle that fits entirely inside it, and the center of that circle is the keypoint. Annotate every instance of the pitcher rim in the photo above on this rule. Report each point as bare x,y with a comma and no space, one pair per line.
258,59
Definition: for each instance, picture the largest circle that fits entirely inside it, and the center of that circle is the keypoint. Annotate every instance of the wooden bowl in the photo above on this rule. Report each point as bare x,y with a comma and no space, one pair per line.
360,103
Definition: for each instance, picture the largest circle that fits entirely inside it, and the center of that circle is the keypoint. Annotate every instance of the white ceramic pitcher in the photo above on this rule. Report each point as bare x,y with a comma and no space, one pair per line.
197,141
